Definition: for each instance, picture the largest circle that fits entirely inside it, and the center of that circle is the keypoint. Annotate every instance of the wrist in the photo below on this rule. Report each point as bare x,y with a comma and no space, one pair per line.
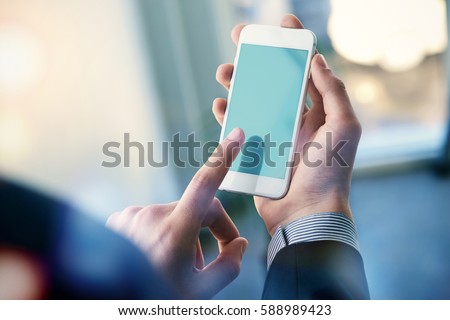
330,203
324,226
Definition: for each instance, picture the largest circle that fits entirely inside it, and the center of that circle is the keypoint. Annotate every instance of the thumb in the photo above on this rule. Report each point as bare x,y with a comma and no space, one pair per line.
336,102
224,269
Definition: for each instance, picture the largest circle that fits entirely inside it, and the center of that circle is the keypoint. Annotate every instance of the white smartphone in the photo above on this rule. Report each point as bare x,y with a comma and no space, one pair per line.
266,99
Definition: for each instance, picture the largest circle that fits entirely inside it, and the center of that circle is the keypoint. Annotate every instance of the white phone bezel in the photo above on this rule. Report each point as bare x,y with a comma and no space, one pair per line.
276,37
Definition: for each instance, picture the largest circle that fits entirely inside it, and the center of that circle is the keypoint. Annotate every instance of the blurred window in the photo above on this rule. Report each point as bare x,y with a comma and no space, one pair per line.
390,54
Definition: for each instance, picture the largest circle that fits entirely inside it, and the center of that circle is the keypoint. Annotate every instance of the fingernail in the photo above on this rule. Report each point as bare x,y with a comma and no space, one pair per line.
235,135
322,62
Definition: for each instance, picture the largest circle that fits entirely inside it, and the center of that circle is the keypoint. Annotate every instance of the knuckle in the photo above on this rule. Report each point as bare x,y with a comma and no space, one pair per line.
148,213
353,125
357,127
112,219
337,84
216,204
155,209
152,209
132,210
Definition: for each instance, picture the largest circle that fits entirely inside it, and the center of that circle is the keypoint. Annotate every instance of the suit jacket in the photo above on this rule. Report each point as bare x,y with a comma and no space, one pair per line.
316,270
84,260
79,257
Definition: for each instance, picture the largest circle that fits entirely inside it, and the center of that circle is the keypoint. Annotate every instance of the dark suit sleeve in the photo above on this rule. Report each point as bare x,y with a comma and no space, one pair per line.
82,259
324,270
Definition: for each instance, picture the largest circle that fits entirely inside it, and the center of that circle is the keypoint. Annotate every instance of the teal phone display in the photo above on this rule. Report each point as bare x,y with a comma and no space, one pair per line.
264,102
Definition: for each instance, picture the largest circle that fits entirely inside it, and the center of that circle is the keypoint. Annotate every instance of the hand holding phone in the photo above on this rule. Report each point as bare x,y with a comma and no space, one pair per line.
266,99
323,186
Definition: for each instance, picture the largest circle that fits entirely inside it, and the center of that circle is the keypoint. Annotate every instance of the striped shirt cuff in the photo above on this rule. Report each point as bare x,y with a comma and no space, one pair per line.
316,227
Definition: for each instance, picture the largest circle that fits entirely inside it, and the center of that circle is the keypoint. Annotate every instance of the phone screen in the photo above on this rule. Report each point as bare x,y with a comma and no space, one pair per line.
264,103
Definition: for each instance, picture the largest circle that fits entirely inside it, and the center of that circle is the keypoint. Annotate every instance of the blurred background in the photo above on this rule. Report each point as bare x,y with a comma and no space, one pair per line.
75,75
